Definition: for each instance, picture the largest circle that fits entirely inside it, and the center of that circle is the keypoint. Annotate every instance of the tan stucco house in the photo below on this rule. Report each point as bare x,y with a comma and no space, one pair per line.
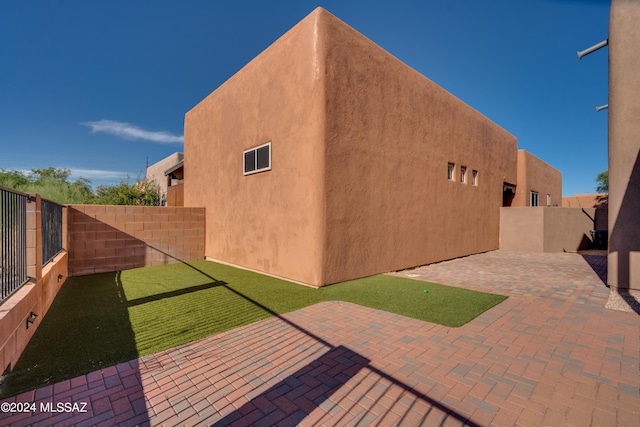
325,159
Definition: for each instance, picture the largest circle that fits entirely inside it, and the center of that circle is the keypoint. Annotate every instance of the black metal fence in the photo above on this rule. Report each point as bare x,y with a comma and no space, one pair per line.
13,237
51,230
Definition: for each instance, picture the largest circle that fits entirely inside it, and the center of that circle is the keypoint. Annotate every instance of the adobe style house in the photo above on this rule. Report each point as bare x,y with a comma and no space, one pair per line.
168,175
326,159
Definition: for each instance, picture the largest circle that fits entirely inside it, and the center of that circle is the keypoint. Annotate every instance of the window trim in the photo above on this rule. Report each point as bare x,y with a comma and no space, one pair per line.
255,150
531,194
451,171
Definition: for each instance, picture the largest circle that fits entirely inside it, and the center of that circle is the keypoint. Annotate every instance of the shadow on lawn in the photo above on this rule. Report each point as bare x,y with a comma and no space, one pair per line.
171,294
88,309
311,386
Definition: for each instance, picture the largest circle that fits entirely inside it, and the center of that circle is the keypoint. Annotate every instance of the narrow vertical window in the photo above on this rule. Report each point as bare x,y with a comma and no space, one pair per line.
452,170
463,174
474,177
534,198
548,199
257,159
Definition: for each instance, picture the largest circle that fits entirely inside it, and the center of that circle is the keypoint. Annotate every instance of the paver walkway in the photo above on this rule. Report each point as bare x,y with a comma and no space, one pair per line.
549,355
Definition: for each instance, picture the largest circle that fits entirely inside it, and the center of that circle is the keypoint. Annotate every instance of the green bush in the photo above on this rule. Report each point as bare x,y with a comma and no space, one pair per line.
54,184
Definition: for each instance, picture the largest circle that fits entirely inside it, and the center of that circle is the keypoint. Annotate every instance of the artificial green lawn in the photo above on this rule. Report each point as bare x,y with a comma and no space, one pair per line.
104,319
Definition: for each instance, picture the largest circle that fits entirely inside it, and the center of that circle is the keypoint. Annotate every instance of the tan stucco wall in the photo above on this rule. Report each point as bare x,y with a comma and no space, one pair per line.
537,175
543,229
360,147
271,221
390,134
568,230
624,145
521,229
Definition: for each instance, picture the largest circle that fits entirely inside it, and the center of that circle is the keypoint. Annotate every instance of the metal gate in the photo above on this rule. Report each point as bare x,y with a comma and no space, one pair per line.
13,241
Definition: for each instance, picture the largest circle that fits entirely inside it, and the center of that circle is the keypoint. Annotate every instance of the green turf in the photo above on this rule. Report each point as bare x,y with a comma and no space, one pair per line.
104,319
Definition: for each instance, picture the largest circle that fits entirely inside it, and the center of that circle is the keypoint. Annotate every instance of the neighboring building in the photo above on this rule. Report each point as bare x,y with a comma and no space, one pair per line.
175,181
538,183
585,201
624,145
326,159
157,173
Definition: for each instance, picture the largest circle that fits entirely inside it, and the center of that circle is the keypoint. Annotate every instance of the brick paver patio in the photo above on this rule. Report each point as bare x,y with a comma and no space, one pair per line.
549,355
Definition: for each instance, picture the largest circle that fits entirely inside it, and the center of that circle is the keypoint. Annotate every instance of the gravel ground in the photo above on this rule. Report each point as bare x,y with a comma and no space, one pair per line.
624,301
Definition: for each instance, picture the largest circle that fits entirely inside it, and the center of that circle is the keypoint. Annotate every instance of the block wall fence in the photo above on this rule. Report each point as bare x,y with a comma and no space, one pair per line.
95,239
113,238
544,229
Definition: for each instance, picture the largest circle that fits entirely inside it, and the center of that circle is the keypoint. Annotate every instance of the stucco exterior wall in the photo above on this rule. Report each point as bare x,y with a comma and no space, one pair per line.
546,229
537,175
624,145
390,135
521,229
271,221
360,147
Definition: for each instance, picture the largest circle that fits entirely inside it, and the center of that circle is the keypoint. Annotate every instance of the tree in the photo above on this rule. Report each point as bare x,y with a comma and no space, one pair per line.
142,193
51,183
14,179
602,179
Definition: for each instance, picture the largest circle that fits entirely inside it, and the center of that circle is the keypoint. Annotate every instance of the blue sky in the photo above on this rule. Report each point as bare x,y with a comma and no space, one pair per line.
99,86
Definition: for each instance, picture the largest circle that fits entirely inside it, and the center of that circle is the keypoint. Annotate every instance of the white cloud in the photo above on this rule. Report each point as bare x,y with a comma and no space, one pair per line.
97,174
129,131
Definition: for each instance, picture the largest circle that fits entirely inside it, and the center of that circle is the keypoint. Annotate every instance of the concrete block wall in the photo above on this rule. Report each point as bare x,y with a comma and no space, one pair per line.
112,238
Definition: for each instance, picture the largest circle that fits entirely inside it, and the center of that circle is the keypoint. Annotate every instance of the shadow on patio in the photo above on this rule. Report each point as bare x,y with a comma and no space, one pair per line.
283,373
597,260
340,382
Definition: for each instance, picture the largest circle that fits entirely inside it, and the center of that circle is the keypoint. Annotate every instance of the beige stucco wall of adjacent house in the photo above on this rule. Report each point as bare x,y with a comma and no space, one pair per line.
156,171
271,221
624,145
390,135
537,175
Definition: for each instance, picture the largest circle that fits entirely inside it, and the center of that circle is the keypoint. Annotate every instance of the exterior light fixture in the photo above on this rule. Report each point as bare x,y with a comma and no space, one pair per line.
31,319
